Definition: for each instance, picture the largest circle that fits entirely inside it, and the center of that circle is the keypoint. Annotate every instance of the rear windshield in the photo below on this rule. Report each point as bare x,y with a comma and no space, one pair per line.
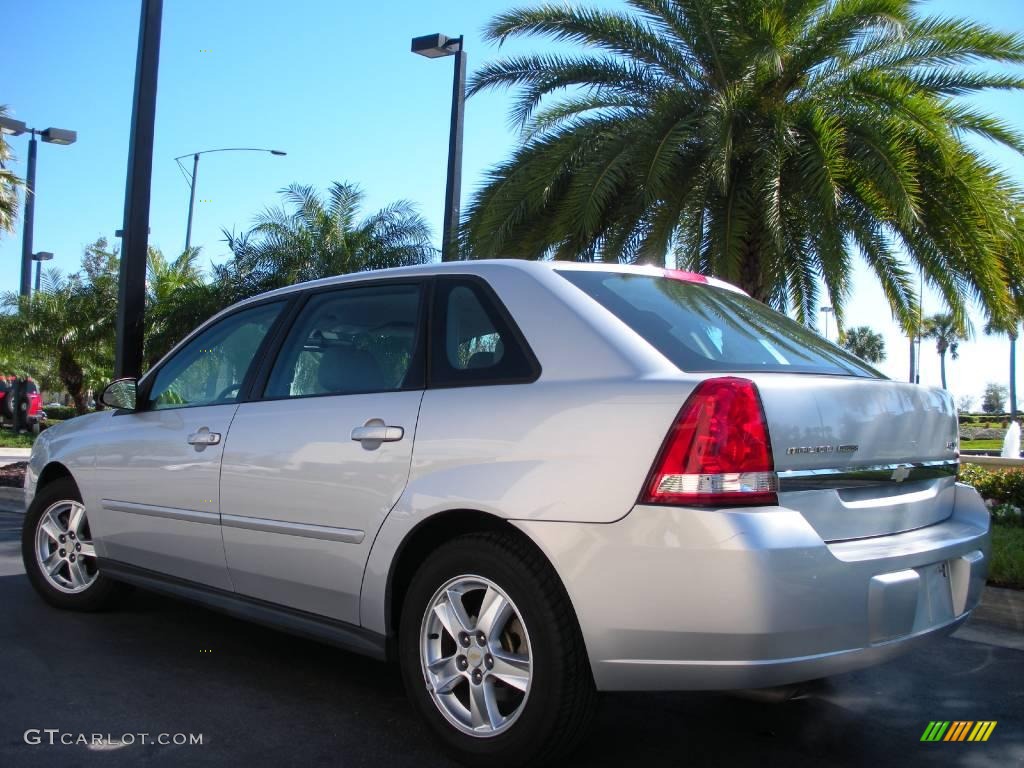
703,328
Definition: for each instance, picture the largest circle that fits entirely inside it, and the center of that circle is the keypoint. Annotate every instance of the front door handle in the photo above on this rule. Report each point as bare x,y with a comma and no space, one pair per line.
377,433
204,437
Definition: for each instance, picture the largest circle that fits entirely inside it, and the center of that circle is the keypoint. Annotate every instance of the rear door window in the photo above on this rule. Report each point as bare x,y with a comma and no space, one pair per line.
704,328
349,341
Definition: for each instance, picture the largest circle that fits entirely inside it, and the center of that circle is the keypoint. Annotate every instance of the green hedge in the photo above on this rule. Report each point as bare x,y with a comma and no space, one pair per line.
61,412
1003,489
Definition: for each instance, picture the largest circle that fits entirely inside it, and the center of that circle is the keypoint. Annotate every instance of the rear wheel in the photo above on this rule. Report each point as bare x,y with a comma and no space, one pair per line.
492,655
58,553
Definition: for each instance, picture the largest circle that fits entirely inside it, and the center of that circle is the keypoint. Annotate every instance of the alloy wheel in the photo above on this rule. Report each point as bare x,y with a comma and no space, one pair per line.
476,656
64,548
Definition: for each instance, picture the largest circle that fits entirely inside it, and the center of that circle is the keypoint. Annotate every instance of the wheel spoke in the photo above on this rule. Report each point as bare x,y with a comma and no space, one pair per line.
445,675
88,550
52,528
78,577
483,707
494,612
75,518
511,668
53,563
452,614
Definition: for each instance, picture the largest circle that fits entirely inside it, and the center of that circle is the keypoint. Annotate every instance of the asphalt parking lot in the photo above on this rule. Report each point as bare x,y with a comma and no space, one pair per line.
259,697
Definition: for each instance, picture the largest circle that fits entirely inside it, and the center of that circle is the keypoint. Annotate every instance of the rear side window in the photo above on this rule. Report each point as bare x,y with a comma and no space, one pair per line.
475,342
704,328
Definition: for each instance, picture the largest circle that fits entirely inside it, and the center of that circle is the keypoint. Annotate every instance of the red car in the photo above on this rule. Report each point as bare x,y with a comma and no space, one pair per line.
24,398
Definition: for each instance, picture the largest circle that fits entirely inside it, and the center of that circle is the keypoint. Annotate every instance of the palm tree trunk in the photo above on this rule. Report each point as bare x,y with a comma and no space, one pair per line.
942,368
1013,375
751,268
73,378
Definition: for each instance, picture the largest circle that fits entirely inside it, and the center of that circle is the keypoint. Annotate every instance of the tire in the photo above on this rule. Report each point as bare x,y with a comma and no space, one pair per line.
55,504
533,726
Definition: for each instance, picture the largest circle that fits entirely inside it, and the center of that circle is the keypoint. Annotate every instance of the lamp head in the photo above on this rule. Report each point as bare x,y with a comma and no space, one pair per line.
58,136
435,46
12,127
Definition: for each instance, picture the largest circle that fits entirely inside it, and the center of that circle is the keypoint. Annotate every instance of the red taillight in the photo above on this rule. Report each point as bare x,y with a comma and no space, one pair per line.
718,452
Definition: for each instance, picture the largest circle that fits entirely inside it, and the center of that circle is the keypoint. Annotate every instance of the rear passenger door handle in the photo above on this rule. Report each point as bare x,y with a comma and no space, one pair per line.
377,434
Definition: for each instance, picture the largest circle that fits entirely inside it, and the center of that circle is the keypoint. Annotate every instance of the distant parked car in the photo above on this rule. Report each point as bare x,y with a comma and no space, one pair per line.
31,406
525,482
21,403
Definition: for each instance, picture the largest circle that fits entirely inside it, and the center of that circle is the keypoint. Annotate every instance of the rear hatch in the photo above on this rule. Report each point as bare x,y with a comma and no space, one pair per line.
860,457
857,454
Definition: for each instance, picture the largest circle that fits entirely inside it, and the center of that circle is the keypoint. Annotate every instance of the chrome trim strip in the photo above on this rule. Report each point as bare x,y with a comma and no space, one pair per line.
169,513
860,477
346,535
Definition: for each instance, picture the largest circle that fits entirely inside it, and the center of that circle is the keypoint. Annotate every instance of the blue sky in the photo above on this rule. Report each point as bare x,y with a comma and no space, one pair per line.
331,83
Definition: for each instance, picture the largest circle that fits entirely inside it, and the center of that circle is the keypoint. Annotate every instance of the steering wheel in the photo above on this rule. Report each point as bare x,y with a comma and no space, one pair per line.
224,393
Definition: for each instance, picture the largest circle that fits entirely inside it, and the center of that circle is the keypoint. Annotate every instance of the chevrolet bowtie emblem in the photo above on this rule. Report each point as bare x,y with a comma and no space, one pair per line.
900,474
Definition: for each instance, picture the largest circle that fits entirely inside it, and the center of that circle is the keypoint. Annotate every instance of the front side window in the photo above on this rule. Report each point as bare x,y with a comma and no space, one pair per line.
351,341
211,368
704,328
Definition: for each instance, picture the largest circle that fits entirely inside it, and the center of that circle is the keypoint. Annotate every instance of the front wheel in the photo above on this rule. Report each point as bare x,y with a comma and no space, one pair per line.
492,655
57,550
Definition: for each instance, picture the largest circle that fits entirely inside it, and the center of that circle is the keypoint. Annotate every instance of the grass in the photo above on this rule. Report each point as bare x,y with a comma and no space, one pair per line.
1007,566
982,445
8,439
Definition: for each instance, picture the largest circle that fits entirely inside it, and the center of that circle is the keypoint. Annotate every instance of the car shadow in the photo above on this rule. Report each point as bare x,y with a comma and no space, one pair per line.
262,697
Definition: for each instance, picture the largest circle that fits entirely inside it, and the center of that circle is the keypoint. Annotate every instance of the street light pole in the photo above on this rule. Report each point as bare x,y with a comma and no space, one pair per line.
131,291
436,46
39,258
30,216
453,188
195,171
826,311
191,201
51,135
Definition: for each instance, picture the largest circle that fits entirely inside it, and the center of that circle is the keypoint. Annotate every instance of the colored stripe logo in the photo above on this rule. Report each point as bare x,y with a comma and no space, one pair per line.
958,730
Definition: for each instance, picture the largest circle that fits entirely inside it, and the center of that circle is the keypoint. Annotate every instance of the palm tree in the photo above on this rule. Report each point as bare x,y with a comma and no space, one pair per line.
316,238
1010,328
70,316
177,299
948,334
9,184
762,141
865,343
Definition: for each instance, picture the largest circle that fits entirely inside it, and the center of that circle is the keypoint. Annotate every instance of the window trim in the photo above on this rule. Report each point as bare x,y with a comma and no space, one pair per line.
419,358
147,381
437,351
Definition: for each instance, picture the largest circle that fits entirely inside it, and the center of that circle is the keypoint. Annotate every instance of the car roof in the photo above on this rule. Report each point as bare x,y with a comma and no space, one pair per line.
481,267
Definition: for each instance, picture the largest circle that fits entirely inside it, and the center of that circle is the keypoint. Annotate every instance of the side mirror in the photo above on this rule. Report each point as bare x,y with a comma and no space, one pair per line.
120,394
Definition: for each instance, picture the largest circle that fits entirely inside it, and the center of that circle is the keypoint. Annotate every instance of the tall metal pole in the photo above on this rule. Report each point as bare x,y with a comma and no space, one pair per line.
30,216
191,201
131,303
913,361
453,191
39,270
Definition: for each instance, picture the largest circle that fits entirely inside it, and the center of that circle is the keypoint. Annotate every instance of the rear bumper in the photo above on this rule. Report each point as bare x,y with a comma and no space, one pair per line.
690,599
